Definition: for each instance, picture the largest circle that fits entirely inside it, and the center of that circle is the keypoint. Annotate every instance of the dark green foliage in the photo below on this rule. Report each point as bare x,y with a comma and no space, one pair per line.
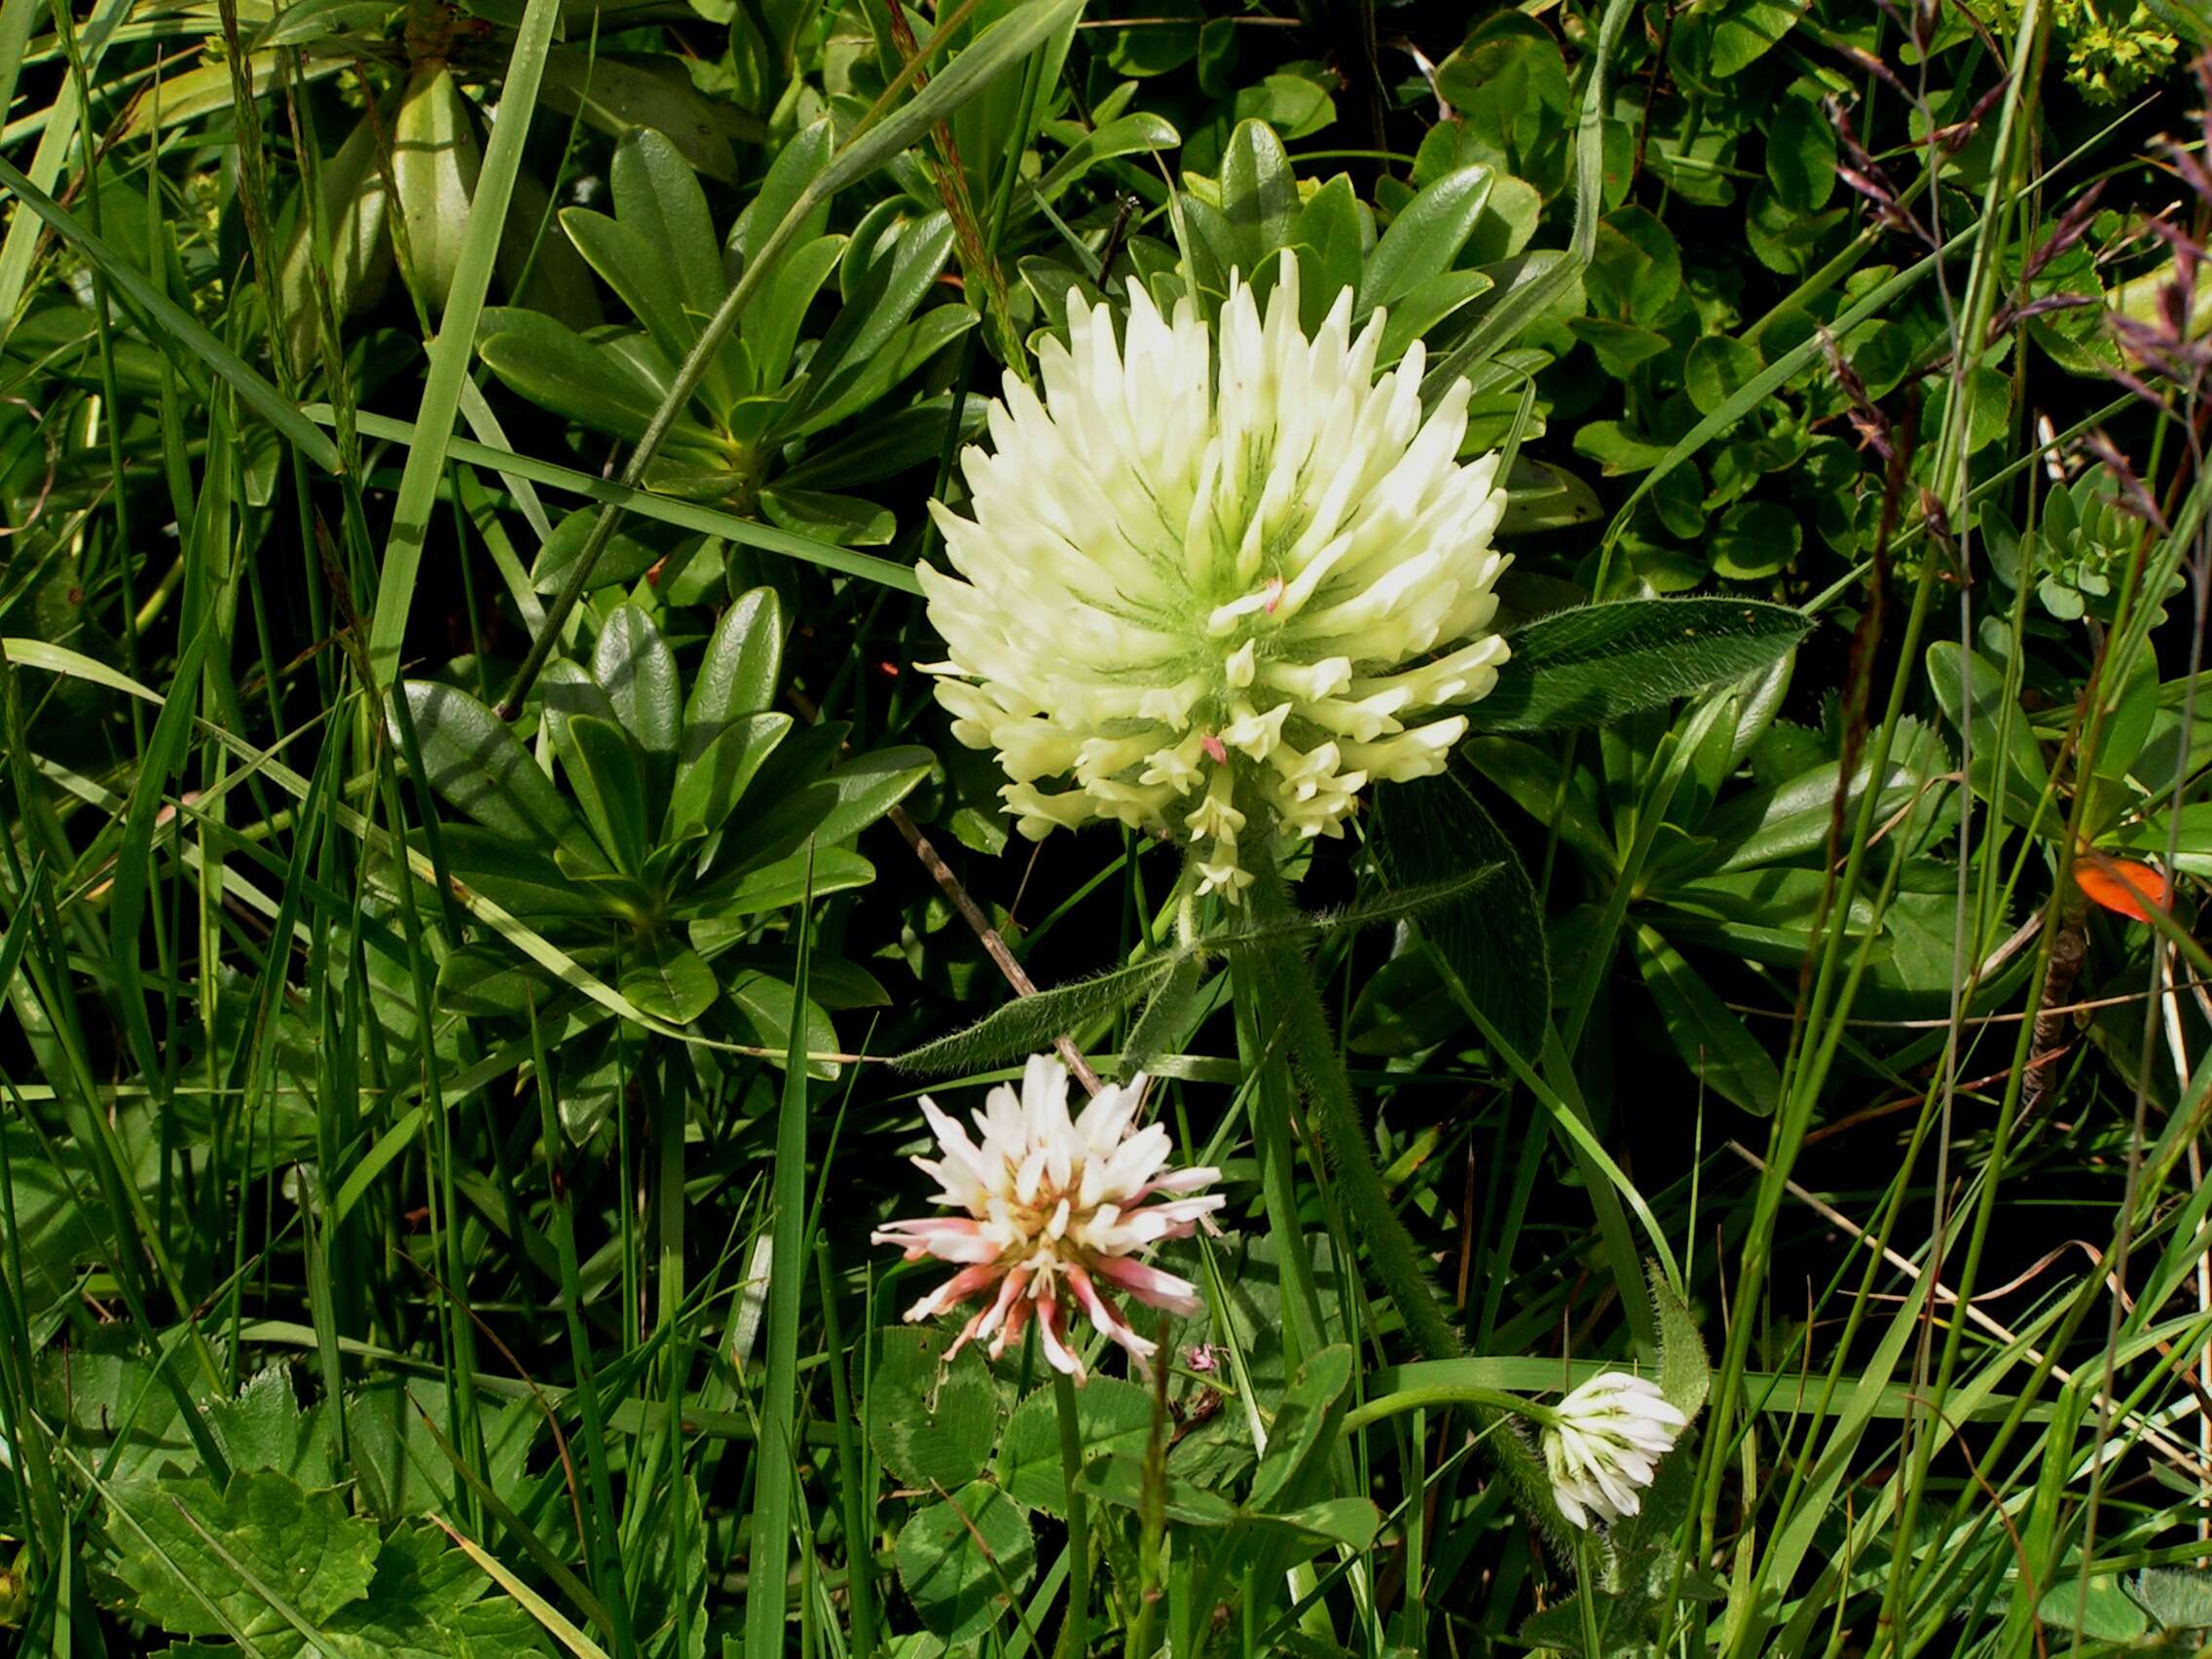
483,871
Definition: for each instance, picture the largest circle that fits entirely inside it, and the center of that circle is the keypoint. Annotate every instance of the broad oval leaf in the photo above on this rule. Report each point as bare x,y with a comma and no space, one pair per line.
960,1558
635,547
357,255
1258,197
435,164
931,1420
1111,1417
762,1004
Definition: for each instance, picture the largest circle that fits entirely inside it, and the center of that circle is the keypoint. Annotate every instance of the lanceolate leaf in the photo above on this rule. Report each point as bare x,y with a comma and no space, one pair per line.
1493,940
1028,1025
1706,1032
606,769
479,767
708,788
739,672
550,364
842,804
1597,662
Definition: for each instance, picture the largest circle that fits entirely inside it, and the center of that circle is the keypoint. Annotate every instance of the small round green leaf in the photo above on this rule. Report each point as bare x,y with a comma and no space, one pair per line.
1800,155
1754,539
1717,367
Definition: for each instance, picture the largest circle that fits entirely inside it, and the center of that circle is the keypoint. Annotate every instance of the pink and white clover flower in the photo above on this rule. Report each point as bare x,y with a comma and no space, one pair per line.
1055,1211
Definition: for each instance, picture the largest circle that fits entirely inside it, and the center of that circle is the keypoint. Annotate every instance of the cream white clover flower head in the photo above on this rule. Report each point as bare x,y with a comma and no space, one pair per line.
1056,1211
1203,577
1603,1444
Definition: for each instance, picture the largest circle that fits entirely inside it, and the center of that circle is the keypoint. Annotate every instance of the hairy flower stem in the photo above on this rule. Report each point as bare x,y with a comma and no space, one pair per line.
1075,1629
1291,998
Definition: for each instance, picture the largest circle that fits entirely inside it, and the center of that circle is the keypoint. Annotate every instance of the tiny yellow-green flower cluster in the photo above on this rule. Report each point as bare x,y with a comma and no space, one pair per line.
2113,48
1202,577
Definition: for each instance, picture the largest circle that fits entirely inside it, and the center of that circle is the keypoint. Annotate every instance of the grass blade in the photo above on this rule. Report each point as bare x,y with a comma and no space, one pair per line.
765,1592
456,343
174,329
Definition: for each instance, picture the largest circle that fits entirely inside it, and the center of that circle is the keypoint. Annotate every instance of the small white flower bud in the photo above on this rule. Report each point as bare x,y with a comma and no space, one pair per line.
1604,1447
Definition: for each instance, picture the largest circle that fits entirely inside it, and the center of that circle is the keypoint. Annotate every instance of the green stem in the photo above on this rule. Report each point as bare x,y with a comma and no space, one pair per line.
1584,1572
861,1578
1075,1630
1334,1117
1260,1051
1291,999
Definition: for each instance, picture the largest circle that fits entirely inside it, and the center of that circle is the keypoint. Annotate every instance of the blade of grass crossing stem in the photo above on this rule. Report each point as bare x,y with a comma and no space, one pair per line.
533,1546
1263,1053
880,134
60,660
455,343
199,1592
174,329
1075,1632
15,34
1984,284
884,132
128,1217
1793,362
252,1580
309,832
774,1485
667,1105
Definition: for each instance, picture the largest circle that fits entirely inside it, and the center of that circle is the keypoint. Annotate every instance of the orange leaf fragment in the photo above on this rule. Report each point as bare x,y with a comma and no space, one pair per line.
2123,885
